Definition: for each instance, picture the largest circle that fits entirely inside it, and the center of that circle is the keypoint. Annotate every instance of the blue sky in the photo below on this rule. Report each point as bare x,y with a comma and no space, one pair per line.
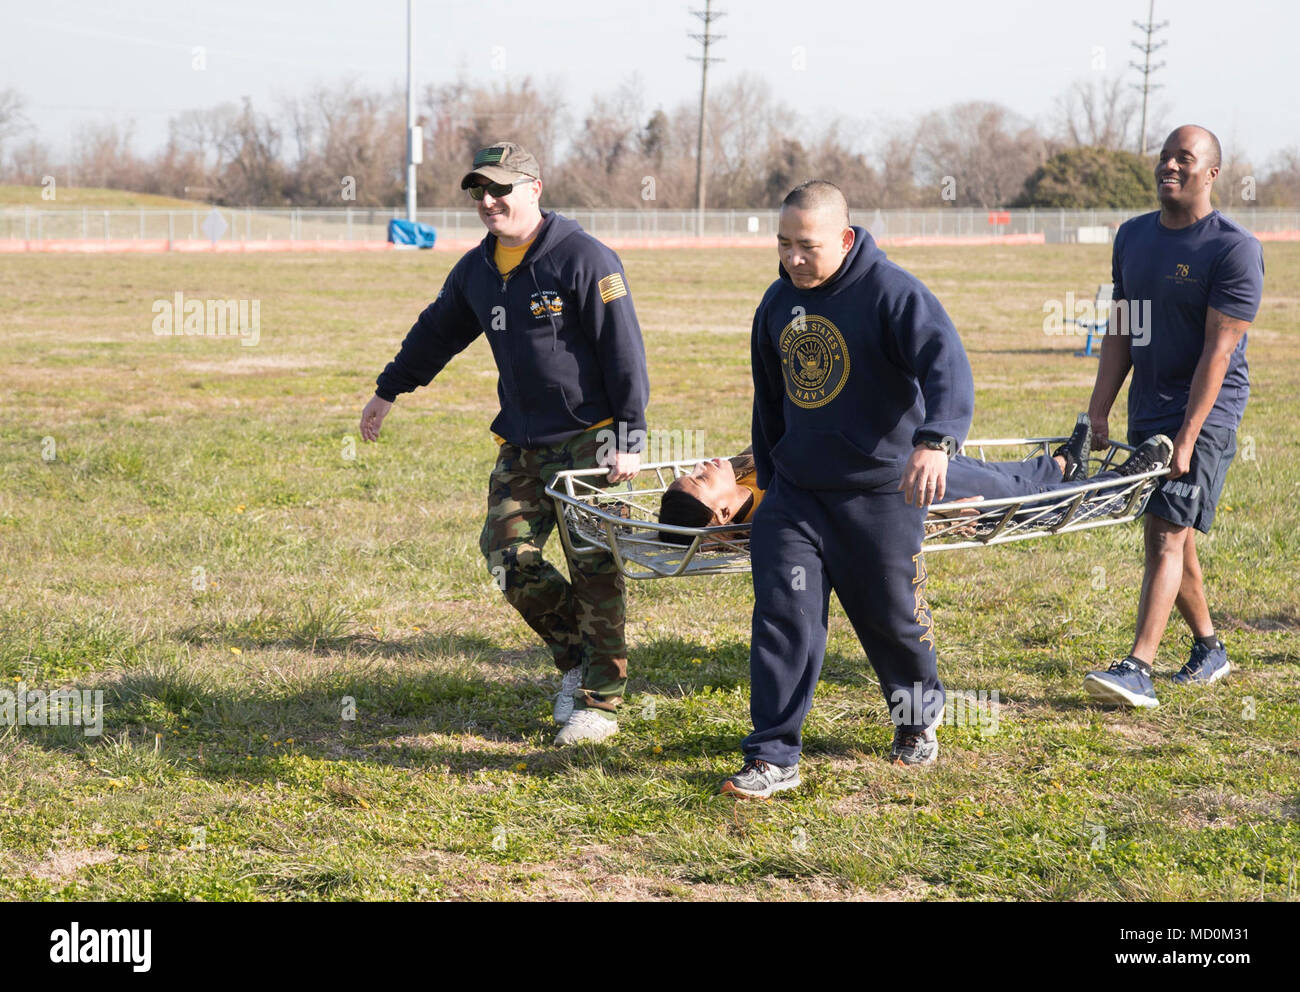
1228,66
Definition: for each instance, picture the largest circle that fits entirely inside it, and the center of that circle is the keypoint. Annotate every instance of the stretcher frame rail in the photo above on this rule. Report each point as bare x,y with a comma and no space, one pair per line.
622,521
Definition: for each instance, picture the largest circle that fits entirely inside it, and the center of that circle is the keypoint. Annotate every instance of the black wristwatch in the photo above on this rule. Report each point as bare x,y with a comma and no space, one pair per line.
946,444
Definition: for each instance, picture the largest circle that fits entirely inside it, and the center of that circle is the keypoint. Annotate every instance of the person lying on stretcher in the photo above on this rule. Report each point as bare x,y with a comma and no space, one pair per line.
721,491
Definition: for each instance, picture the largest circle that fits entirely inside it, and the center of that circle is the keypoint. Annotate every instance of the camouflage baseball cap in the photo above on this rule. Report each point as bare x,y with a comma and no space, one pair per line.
504,162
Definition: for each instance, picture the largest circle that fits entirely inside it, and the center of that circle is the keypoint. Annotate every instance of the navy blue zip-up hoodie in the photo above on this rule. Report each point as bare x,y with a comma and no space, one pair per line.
850,376
563,332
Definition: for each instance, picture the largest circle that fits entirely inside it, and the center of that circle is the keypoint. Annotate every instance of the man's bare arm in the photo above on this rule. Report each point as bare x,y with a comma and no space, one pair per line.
1112,369
1222,335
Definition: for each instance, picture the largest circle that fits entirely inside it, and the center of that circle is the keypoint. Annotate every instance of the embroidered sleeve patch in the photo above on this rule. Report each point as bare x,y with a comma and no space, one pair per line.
611,288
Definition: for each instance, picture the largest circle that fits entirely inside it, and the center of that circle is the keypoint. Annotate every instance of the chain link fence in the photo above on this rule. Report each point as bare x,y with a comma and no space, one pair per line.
365,224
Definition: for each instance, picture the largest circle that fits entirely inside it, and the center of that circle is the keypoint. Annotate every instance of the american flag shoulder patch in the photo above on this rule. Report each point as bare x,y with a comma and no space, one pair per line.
611,287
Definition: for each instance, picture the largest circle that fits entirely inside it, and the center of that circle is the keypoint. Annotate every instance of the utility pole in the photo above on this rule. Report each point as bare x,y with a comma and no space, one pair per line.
414,137
708,15
1146,68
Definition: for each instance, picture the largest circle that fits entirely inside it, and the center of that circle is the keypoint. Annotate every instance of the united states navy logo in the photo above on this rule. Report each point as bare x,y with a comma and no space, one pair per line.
814,359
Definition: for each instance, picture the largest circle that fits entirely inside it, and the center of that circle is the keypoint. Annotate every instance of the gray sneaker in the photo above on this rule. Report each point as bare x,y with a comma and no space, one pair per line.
587,725
758,779
914,747
569,686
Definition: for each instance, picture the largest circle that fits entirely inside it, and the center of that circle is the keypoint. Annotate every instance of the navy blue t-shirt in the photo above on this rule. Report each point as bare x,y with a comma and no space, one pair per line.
1213,263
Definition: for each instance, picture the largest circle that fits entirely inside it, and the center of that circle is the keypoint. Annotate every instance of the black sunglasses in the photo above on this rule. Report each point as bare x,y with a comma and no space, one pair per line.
497,190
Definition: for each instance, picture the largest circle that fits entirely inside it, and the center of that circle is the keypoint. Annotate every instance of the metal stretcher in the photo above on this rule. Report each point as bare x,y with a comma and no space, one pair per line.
623,520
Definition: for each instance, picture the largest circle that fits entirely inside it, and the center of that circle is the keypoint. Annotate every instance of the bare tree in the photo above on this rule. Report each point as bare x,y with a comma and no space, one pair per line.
896,156
981,152
1280,186
607,160
828,155
617,154
104,156
1098,113
30,163
744,123
253,173
1237,184
459,119
199,132
13,122
348,142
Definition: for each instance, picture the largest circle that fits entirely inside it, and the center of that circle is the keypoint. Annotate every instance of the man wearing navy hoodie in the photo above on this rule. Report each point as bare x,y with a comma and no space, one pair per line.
554,304
862,392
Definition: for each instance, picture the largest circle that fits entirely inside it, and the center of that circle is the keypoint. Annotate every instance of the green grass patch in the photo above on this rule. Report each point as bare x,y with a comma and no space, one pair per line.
313,690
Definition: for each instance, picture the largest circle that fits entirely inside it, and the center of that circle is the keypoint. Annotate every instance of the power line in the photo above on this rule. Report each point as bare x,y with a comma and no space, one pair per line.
708,15
1146,47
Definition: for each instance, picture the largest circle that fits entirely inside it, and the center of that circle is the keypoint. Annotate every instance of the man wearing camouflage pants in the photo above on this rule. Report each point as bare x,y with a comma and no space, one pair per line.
554,304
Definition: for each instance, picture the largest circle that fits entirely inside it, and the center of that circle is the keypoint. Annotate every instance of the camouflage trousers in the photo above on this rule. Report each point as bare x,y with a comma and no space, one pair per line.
581,619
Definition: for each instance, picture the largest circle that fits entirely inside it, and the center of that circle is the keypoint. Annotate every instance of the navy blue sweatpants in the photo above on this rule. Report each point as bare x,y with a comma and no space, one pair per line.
866,545
995,480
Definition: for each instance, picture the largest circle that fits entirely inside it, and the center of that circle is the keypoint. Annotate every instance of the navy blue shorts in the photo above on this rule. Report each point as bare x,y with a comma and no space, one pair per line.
1191,499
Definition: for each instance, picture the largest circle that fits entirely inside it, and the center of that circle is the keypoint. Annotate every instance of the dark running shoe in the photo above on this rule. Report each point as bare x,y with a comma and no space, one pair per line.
914,747
1206,665
1124,684
1152,454
758,780
1075,450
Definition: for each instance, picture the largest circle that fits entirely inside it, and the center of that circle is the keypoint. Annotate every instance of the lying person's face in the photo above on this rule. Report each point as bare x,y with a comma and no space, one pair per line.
713,483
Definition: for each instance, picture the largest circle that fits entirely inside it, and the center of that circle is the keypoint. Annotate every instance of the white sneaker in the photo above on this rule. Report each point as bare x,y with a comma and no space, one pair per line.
586,725
569,685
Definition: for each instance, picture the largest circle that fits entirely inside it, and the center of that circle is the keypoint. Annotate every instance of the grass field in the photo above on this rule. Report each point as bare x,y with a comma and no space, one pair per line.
89,196
331,569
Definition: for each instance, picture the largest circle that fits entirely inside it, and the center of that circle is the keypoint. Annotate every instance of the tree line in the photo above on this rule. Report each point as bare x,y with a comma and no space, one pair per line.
345,145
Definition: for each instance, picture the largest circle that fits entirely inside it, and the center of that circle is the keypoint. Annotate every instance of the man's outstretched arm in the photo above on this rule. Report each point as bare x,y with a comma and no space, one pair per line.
1116,354
1112,369
445,328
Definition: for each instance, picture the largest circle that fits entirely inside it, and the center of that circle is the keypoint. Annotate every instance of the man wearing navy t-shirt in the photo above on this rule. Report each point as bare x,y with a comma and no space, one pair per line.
1188,283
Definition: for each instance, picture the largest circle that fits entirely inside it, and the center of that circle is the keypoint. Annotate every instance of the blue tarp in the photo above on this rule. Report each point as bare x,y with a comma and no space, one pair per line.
406,232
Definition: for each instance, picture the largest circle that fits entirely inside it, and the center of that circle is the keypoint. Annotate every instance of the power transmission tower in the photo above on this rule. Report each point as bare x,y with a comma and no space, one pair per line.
708,15
1146,47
